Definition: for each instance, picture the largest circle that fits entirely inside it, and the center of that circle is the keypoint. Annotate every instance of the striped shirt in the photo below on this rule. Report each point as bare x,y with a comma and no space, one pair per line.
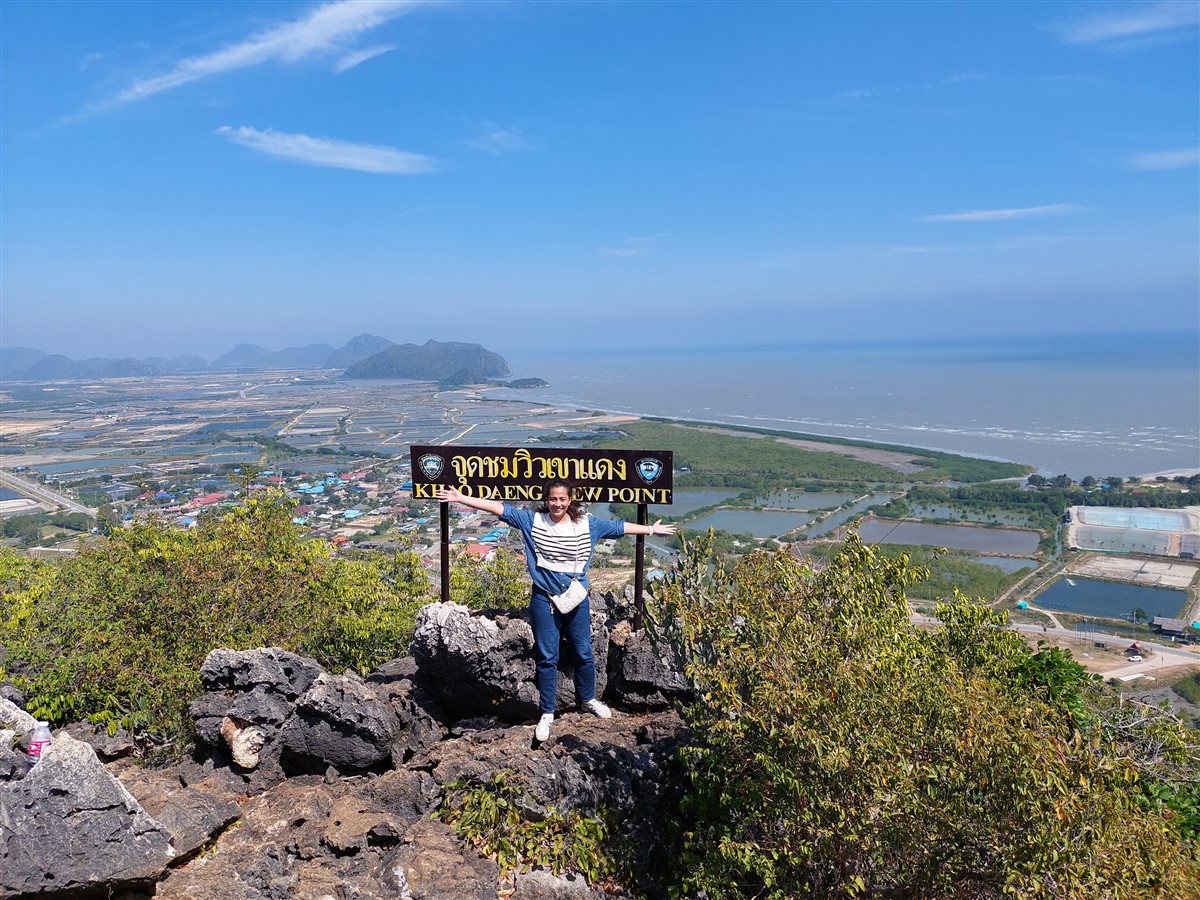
555,553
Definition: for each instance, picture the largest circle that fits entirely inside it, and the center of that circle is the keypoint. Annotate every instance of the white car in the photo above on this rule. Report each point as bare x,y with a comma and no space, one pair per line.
1134,657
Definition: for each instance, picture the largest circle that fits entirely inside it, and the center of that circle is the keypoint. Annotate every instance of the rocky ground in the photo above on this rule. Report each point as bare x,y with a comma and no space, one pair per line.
307,784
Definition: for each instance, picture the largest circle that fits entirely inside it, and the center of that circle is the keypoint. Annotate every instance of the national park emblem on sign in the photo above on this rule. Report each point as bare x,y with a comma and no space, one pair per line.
432,466
649,470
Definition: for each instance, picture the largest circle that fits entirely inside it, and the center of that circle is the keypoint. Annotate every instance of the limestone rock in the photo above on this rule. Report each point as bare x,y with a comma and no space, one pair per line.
271,668
644,675
245,740
12,716
340,721
432,865
70,825
627,764
191,816
307,838
13,763
417,710
107,746
251,693
540,884
355,825
474,665
9,691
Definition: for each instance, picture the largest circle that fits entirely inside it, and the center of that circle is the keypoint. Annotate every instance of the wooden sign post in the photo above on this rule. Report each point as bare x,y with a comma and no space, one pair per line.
640,477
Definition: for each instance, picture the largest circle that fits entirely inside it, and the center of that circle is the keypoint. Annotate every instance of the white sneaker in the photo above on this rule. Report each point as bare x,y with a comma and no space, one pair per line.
596,708
542,732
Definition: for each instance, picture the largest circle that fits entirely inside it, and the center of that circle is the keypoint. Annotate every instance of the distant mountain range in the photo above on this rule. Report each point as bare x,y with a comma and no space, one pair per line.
365,356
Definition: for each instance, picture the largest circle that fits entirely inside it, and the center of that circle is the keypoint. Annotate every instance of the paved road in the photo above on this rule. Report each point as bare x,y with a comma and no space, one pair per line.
1164,654
43,493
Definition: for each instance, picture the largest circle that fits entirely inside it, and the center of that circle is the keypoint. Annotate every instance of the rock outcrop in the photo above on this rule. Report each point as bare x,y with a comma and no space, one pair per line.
332,781
70,826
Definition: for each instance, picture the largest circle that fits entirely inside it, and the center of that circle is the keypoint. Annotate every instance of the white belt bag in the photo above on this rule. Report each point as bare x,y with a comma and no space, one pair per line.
570,598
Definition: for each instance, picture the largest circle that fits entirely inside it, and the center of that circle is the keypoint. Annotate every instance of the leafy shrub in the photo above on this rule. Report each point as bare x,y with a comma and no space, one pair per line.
840,752
118,633
499,819
499,583
1189,688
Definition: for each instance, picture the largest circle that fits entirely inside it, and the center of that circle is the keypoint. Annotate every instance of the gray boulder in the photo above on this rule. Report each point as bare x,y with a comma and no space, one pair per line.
192,817
9,691
107,746
309,837
417,710
251,693
540,884
12,716
644,675
13,762
271,669
340,721
70,826
432,865
476,665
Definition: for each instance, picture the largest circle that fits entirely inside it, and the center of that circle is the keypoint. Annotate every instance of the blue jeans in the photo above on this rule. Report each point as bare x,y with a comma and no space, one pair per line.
548,626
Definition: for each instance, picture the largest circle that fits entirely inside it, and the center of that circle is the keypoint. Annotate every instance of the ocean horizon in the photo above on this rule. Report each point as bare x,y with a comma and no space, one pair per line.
1078,404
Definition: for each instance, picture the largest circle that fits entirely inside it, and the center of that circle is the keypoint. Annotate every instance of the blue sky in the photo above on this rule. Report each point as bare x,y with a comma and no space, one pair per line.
179,177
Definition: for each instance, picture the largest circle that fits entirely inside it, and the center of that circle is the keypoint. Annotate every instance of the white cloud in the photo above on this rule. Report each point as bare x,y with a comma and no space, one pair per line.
358,57
1133,21
1166,159
1000,215
634,246
498,140
329,152
874,93
917,249
324,30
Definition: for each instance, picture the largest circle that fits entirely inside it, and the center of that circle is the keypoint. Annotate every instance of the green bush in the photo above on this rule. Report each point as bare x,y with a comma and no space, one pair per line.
118,633
840,752
1189,688
497,818
499,583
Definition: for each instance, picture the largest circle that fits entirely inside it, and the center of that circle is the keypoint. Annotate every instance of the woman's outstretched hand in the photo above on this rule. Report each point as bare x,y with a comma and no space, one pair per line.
659,528
447,494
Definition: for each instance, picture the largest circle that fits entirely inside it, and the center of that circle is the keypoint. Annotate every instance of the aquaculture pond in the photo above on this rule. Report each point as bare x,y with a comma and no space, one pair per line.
1001,517
758,522
1110,598
956,537
684,502
804,500
839,518
1008,564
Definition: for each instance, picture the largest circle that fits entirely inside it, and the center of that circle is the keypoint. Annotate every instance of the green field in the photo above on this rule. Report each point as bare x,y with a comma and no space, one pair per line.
756,458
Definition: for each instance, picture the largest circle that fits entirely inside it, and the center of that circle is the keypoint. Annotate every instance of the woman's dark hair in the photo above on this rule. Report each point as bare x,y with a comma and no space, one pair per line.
575,510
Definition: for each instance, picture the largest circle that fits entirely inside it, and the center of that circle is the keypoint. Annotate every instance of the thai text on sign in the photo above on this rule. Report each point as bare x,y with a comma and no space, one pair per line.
514,474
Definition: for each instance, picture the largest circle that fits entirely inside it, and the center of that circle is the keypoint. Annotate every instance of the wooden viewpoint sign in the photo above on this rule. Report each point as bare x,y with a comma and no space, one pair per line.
519,473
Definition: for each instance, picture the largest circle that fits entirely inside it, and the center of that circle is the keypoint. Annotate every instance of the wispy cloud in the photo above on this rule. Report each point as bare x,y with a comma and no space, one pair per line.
358,57
908,250
875,93
326,29
499,140
330,153
1133,20
634,246
1166,159
1001,215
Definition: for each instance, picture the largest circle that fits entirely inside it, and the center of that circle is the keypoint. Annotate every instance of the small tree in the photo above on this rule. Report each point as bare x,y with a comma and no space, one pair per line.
839,752
118,633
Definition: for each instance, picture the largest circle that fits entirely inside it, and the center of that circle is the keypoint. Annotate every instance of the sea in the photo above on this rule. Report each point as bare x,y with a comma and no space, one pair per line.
1099,405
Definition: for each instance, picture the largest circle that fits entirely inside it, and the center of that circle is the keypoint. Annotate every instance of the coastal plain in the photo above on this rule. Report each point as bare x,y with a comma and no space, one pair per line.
168,446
